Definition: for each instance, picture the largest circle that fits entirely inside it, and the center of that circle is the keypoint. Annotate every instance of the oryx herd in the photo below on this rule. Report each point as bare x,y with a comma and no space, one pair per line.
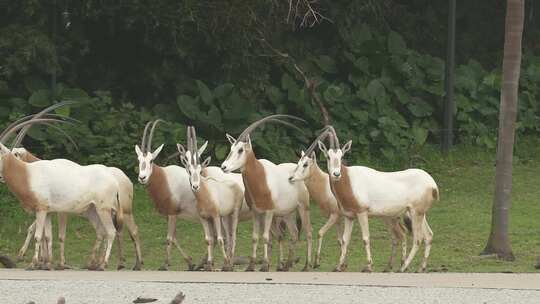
270,195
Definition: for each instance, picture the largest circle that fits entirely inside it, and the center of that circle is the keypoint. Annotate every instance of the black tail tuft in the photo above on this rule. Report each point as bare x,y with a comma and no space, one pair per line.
407,221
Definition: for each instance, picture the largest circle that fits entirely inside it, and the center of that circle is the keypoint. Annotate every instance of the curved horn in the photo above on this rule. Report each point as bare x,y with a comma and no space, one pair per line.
3,136
334,141
143,140
274,118
42,113
18,139
30,122
322,136
151,135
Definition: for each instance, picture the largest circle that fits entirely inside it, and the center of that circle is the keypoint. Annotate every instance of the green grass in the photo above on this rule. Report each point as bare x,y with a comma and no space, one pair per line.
460,221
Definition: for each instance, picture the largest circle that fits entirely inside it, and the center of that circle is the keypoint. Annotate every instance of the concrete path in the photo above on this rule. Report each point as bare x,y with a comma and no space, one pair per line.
19,286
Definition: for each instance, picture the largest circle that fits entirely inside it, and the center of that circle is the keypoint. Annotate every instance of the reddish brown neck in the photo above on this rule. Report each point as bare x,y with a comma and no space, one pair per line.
254,177
342,190
17,178
159,191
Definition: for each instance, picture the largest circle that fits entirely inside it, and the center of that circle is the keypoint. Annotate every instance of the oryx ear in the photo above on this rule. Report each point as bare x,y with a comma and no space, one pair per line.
181,149
156,152
138,150
346,147
248,146
302,153
231,139
206,162
322,147
313,156
202,148
3,149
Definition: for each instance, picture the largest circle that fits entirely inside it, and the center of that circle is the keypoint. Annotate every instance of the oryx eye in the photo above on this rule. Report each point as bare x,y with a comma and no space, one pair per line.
305,165
240,150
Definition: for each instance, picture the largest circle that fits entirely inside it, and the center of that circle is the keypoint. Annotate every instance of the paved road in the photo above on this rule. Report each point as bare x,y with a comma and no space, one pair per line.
19,286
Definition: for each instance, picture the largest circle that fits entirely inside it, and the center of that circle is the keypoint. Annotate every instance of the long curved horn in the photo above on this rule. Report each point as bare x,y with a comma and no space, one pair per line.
29,122
12,125
195,151
274,118
143,140
334,141
18,139
43,112
322,136
151,135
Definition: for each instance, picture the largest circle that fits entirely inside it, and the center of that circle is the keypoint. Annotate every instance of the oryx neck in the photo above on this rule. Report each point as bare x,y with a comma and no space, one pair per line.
17,179
158,188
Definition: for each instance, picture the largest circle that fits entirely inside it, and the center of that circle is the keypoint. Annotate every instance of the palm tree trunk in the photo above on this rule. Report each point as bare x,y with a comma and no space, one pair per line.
499,242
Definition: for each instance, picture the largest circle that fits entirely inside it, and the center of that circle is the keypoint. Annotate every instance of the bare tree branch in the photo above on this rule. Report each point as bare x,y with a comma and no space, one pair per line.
310,84
304,13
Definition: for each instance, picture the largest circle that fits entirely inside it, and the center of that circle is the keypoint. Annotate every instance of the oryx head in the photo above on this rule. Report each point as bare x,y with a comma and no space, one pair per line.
144,153
241,146
190,158
308,158
334,154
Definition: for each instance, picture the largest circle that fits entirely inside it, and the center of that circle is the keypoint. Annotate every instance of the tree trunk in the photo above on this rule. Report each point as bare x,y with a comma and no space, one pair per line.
499,242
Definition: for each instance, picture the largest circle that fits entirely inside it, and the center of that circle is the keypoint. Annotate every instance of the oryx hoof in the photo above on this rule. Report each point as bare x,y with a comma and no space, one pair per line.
421,270
282,267
209,266
137,266
307,267
46,266
120,267
163,267
101,267
192,267
340,268
265,267
227,268
92,267
367,269
388,269
31,267
250,268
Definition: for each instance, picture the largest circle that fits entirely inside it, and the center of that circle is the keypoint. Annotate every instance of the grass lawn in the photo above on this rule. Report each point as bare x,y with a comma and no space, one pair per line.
460,221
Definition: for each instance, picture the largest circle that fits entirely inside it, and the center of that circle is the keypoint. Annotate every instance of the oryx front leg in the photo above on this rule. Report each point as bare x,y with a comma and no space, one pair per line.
266,239
303,211
62,226
290,221
347,231
47,242
209,237
364,227
392,227
41,217
257,220
227,263
331,222
134,235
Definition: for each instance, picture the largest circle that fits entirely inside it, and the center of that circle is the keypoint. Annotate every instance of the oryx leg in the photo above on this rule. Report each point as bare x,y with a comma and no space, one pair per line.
41,217
257,219
428,239
209,237
226,228
133,230
93,218
290,221
277,232
418,236
105,217
303,211
364,227
268,215
227,261
120,242
62,226
29,235
233,233
48,243
347,231
329,223
392,225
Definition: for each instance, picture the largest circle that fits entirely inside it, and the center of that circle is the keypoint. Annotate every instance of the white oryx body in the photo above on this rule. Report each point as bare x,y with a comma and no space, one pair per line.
63,186
125,196
270,193
363,192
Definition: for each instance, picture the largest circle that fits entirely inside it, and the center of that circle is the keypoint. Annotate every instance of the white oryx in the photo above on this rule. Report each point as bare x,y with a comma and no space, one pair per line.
61,186
318,183
169,190
363,192
125,198
269,193
220,198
